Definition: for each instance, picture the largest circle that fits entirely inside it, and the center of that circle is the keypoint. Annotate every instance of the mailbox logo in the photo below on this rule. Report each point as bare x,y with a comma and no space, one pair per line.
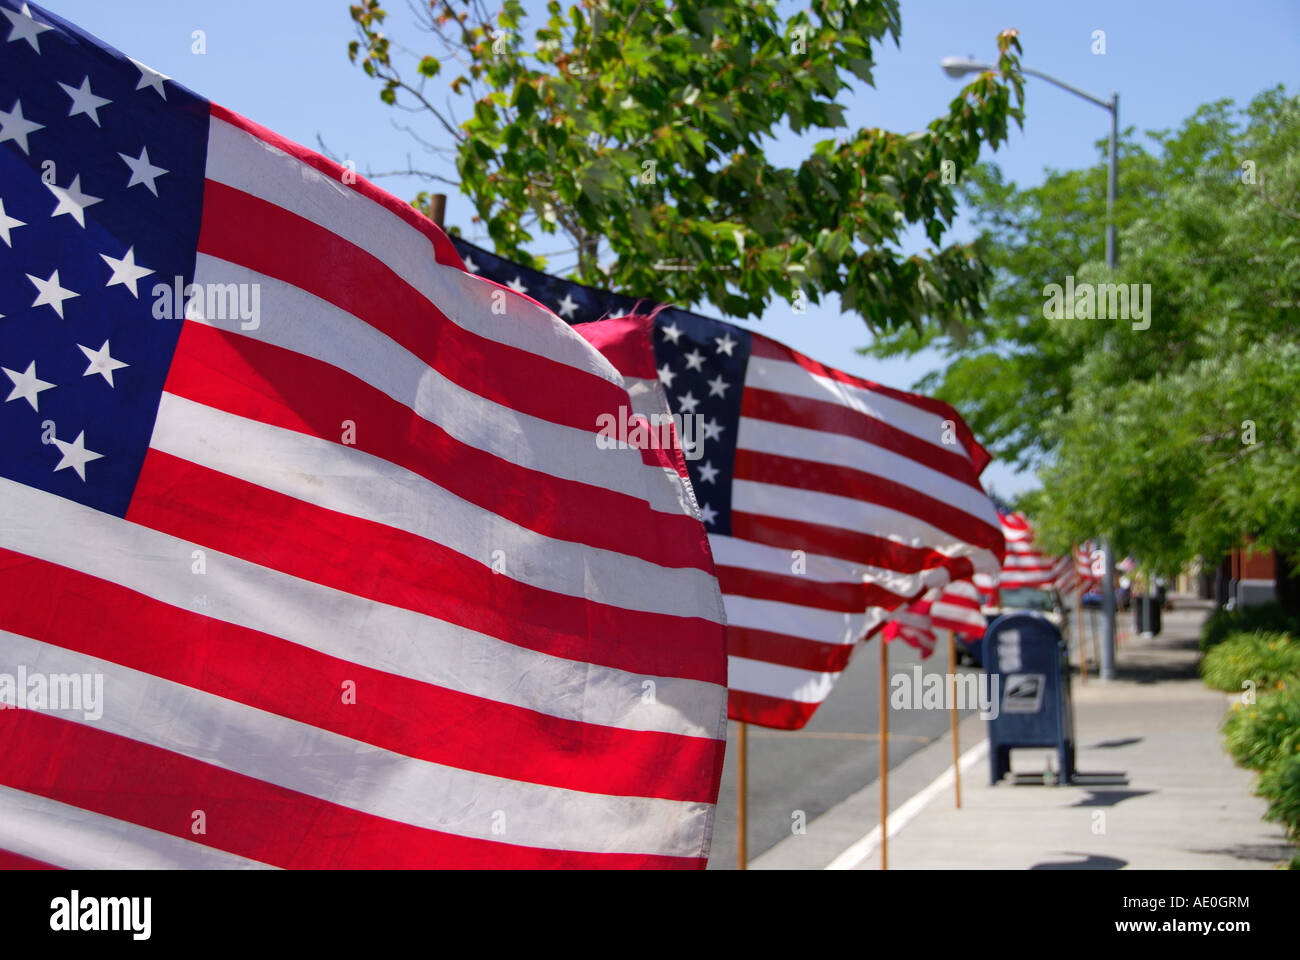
1023,693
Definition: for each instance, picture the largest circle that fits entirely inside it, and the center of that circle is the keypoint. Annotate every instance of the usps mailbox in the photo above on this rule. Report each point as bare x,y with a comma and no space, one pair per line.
1026,655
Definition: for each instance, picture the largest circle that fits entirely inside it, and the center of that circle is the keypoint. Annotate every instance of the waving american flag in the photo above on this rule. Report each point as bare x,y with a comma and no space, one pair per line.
334,582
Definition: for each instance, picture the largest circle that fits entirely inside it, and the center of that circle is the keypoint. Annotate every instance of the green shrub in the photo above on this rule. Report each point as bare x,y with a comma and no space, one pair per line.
1261,657
1279,784
1264,616
1269,730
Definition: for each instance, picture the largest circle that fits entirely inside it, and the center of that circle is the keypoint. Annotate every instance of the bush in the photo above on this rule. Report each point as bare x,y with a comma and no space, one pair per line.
1259,734
1261,657
1265,616
1279,784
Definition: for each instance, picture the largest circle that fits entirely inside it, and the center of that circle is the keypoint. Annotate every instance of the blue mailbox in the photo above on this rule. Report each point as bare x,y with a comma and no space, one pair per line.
1029,673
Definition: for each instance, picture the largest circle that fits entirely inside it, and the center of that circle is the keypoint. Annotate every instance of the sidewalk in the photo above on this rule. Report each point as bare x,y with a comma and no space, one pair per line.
1176,800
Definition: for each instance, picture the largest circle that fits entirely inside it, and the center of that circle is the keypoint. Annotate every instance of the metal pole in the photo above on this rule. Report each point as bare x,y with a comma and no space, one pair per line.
1112,252
1106,670
742,797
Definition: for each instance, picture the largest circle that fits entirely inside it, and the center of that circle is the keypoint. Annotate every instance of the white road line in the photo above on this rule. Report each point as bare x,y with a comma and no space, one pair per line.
865,847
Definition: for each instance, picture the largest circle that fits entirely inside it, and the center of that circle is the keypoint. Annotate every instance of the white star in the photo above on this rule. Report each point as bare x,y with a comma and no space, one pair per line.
75,454
567,305
470,265
718,387
125,271
712,429
72,200
7,223
687,402
142,171
666,376
84,100
672,332
25,28
27,385
694,361
149,77
49,292
101,362
708,514
708,472
14,126
517,286
725,343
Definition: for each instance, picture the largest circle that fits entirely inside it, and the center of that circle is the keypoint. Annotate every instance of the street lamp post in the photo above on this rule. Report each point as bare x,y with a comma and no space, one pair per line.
959,67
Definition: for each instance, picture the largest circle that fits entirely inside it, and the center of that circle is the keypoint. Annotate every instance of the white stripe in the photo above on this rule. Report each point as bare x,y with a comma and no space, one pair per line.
76,839
745,554
784,376
776,680
839,450
825,626
360,776
247,163
364,486
296,320
341,625
812,506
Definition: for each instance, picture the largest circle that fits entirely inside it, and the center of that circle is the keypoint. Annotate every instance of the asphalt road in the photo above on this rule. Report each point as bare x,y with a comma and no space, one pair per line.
812,769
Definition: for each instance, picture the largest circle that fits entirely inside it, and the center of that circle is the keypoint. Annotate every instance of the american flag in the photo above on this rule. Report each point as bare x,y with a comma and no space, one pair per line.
331,526
1028,566
954,607
830,500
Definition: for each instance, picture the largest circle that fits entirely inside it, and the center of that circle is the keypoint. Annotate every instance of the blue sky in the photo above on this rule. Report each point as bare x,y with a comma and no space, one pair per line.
284,63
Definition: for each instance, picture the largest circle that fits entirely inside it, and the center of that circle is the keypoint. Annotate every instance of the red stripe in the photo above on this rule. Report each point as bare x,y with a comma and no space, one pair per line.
269,384
443,250
830,417
768,711
76,611
247,230
771,349
844,597
16,861
122,778
866,488
788,651
392,566
845,544
625,342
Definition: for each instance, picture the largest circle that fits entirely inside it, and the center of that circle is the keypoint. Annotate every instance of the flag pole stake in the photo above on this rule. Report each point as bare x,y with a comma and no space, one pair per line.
884,754
742,797
956,748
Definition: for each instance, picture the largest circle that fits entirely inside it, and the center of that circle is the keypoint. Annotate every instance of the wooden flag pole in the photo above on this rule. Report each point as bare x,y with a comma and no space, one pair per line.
956,748
742,797
437,208
884,754
1083,650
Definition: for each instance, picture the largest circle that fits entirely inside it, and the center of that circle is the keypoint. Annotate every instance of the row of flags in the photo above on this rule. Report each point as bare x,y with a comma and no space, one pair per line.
326,504
958,606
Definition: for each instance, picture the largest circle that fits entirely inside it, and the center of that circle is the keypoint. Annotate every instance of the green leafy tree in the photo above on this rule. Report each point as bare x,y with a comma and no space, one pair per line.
1175,439
641,129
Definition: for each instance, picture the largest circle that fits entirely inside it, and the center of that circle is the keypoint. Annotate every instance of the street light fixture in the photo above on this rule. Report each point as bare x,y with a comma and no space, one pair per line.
956,67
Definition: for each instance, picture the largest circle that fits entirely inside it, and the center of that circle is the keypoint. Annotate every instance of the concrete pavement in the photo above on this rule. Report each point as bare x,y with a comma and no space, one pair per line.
1164,794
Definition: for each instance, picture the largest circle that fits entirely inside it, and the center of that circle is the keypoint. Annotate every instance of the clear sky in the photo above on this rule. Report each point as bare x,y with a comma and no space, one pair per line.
284,63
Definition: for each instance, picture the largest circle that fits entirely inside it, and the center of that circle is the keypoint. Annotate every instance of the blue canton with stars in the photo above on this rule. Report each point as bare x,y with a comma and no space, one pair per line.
701,364
101,197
